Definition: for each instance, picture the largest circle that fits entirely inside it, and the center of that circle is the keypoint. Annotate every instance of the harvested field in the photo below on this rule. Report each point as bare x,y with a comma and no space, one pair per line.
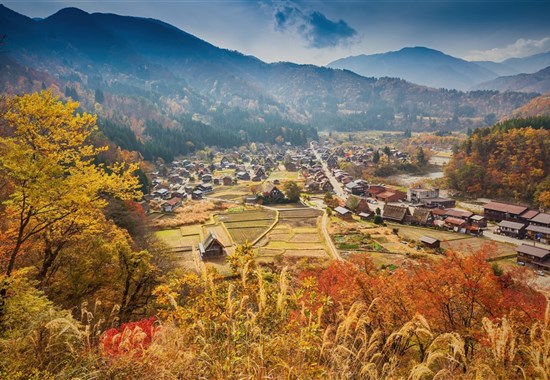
192,212
415,233
473,244
305,253
241,235
306,238
303,213
247,215
249,223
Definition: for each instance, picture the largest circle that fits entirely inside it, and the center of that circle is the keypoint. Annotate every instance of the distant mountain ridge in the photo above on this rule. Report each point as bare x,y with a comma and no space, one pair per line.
419,65
434,68
536,82
150,70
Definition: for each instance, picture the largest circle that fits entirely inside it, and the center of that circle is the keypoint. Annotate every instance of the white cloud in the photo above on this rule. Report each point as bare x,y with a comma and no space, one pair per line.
519,49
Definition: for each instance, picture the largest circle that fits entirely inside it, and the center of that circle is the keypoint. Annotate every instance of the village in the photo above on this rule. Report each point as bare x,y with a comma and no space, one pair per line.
249,200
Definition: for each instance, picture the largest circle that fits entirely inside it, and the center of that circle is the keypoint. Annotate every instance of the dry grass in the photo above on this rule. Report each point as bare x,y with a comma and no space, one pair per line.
193,212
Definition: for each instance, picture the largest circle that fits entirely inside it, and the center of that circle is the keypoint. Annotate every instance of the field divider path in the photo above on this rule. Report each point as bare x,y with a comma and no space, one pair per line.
270,227
328,239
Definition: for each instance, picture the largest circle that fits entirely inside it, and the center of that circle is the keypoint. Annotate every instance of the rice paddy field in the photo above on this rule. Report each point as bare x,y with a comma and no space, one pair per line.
295,236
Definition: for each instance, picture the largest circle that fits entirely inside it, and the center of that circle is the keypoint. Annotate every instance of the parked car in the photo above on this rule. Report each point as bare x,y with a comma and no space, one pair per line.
540,272
521,263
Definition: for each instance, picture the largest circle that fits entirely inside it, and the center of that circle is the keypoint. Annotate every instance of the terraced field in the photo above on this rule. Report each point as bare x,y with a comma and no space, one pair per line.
247,225
296,235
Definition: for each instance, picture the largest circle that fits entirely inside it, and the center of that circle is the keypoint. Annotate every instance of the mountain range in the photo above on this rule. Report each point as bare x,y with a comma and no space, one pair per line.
147,70
536,82
435,69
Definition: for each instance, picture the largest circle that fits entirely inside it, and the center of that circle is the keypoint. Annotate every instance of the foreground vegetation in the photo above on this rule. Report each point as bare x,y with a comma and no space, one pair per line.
87,292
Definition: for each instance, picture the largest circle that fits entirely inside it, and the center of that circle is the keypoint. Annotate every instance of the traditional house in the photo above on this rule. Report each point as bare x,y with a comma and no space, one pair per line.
355,187
291,166
224,162
211,247
430,242
395,213
204,187
206,178
538,233
455,224
512,229
171,205
343,212
326,186
271,191
537,256
332,162
260,173
357,204
497,211
243,176
227,181
479,221
197,194
421,217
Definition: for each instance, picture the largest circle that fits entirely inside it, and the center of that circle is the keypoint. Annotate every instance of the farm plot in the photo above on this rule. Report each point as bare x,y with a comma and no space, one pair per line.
247,225
296,235
181,246
474,244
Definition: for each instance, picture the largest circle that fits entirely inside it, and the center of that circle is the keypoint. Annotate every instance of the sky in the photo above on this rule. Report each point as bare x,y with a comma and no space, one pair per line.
318,32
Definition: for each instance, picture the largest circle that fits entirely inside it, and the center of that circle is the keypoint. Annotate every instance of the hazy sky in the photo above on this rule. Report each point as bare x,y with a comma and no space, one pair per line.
320,31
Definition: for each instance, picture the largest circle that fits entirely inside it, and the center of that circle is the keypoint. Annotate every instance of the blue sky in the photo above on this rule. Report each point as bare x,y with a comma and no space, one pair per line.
319,31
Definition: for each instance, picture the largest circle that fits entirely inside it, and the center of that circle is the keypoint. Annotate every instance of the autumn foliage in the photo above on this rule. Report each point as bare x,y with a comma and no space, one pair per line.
508,161
130,338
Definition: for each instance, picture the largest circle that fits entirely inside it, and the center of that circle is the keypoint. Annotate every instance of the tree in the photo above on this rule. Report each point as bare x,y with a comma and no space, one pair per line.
292,191
242,257
56,188
420,156
376,156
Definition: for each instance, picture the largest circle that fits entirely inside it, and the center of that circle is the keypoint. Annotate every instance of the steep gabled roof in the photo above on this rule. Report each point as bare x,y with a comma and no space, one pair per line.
394,212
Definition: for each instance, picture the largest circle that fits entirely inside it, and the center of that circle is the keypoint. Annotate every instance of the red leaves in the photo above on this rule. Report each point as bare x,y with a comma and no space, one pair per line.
131,338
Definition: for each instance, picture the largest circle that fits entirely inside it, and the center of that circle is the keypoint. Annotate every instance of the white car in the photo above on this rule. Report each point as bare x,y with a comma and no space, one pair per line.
540,272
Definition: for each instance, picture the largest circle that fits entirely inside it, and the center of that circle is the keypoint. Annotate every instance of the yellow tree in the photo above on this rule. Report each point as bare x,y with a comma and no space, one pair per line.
56,189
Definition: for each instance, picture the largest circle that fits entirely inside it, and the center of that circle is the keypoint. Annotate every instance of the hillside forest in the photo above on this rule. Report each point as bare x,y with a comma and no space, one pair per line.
510,160
87,291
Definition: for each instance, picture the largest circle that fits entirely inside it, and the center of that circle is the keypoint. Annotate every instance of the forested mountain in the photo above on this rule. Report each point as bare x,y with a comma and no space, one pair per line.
510,160
540,106
418,65
536,82
135,70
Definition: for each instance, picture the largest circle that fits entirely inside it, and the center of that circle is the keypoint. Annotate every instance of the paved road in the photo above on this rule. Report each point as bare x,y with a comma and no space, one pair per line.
506,239
338,189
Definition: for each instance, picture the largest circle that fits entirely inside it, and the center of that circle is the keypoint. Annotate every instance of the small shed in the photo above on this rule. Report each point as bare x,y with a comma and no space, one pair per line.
343,212
365,215
430,242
